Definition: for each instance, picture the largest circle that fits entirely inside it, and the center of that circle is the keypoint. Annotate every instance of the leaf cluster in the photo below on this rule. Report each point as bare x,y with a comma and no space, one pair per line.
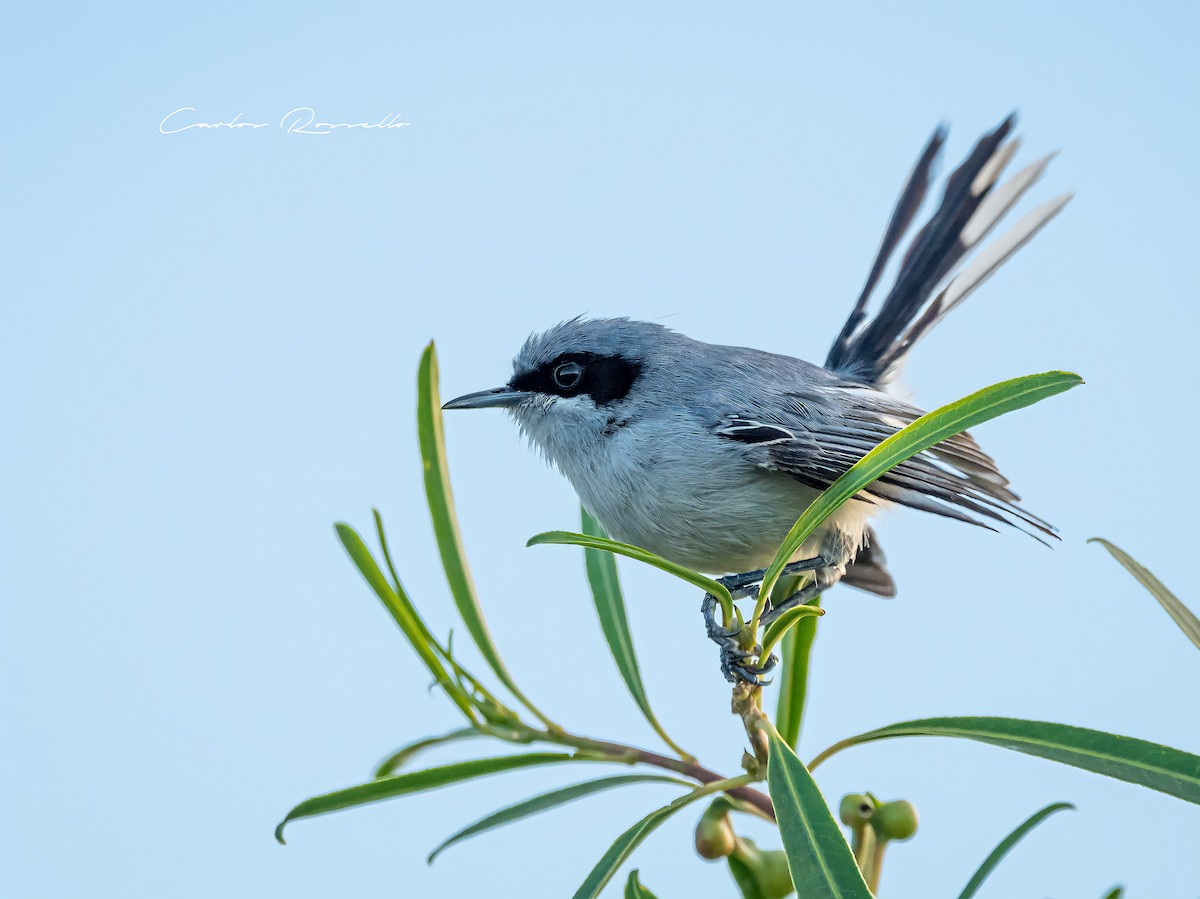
815,856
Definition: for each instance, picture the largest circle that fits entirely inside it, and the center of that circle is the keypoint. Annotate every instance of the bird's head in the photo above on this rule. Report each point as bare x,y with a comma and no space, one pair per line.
576,383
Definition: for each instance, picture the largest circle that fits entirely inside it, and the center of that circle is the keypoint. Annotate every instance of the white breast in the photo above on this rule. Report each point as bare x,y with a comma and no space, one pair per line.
696,500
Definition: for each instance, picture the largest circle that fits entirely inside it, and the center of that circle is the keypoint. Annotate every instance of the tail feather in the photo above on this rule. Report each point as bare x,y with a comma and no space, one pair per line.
991,258
972,205
912,195
1000,200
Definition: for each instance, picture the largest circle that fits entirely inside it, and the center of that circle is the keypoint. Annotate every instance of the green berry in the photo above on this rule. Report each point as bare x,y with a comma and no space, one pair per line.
895,820
856,809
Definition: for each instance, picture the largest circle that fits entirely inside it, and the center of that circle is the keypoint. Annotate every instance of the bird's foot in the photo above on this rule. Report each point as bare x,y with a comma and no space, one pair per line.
734,667
733,657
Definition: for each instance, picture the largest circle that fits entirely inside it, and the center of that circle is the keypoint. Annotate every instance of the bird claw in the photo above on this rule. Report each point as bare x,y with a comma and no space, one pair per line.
734,670
733,656
716,632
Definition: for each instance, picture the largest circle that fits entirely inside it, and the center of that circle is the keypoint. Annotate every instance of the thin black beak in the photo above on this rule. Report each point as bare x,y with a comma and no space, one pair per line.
501,397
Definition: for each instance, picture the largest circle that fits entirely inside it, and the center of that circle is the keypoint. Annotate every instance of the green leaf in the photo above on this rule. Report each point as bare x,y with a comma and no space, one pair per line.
1115,893
785,622
759,873
1183,616
1161,768
620,850
445,524
417,781
402,756
634,888
610,607
990,863
568,538
405,614
819,858
745,879
793,682
549,800
927,431
387,555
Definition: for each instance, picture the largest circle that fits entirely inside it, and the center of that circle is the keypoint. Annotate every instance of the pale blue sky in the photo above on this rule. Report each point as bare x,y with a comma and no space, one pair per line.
209,349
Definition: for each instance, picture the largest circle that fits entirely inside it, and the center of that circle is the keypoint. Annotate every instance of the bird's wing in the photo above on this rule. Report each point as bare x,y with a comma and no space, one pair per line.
815,439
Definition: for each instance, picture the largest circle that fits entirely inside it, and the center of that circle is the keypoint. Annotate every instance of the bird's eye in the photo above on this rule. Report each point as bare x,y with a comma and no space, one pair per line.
568,374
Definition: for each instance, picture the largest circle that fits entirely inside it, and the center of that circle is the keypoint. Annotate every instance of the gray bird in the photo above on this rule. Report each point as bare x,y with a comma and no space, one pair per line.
706,454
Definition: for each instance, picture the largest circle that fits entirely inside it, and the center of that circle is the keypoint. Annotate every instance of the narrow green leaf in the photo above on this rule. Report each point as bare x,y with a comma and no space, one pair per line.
402,756
1115,893
925,432
819,858
620,850
634,888
550,800
405,614
417,781
793,682
387,552
1161,768
445,524
610,607
1183,616
990,863
567,538
785,622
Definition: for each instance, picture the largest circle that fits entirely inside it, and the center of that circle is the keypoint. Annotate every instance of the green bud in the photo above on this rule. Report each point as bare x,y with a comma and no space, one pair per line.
895,820
714,832
856,810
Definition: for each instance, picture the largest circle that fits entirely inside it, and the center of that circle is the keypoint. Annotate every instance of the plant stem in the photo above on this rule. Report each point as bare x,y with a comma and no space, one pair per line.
631,754
863,846
875,868
747,705
826,753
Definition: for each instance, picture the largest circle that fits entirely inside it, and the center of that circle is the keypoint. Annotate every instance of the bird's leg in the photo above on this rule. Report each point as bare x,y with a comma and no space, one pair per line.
716,633
738,584
741,586
733,655
803,595
837,551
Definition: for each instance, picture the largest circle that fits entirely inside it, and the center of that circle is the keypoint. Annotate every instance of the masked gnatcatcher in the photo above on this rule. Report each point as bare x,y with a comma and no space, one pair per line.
706,455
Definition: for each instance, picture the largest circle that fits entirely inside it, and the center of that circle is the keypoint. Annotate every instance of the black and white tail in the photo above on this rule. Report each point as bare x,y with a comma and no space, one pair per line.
928,284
